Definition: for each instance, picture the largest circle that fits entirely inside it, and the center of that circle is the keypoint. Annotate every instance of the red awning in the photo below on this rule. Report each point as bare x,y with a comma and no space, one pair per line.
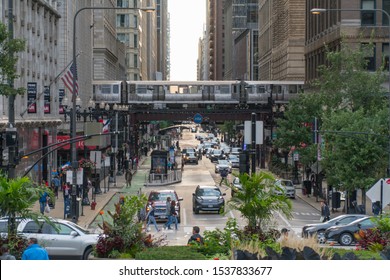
79,144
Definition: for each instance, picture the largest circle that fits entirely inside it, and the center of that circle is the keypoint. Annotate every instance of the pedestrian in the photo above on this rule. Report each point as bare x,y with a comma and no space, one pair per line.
5,254
195,237
34,251
51,200
284,234
224,173
57,184
43,200
168,213
376,209
325,213
66,190
173,214
150,217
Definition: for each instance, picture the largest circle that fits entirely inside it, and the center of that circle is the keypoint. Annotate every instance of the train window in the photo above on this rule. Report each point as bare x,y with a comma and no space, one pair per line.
260,89
225,89
115,89
292,89
105,89
141,89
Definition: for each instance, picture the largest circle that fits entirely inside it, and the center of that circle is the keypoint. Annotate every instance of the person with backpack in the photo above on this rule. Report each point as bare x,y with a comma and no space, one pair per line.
150,217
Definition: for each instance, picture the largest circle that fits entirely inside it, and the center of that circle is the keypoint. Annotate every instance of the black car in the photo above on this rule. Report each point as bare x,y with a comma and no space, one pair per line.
207,198
216,154
344,234
319,228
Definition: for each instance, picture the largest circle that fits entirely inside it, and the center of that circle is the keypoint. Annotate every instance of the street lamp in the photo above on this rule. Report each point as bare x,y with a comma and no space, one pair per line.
73,131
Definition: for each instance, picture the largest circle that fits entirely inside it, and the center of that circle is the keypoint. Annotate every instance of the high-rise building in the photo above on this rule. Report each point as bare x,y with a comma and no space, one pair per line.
148,42
241,39
162,38
353,27
281,39
215,38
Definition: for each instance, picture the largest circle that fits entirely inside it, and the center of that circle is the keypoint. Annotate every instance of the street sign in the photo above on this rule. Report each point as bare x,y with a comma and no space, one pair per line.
198,118
374,193
248,132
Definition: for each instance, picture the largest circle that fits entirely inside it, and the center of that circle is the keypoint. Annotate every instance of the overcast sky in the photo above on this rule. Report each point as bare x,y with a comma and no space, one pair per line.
187,22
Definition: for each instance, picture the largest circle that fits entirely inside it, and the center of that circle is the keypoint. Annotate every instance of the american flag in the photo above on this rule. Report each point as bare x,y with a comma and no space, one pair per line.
67,78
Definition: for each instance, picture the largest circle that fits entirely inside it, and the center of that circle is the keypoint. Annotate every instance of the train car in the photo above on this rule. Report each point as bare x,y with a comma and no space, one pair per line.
163,93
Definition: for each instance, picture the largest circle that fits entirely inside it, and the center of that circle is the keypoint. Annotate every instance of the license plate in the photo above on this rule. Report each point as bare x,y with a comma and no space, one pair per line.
211,206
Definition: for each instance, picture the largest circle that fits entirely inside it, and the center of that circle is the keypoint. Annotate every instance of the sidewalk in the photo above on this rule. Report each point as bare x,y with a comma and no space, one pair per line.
106,200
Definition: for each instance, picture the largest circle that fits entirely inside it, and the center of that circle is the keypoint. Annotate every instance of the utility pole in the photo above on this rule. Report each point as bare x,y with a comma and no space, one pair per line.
11,133
253,143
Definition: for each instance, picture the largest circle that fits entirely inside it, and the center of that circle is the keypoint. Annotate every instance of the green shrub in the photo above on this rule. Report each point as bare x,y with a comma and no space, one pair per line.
170,253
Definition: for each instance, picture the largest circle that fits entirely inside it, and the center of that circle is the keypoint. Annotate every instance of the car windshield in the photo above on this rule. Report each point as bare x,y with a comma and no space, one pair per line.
209,192
286,183
217,152
223,162
161,196
233,157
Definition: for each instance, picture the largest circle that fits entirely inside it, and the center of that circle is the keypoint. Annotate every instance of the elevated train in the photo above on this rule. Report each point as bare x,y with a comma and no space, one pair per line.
168,94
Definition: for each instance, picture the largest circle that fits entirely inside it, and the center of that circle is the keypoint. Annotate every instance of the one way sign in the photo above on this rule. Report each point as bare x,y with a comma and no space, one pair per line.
374,193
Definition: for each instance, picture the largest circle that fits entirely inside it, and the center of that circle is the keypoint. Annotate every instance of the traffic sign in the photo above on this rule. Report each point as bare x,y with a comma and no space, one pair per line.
198,118
374,192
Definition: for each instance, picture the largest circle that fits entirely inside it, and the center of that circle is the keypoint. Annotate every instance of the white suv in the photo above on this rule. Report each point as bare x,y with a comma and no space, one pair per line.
285,187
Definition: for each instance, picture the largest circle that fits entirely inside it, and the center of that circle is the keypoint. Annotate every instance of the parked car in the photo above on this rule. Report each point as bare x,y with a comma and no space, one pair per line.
236,185
344,234
234,160
207,198
223,164
62,239
190,158
160,198
319,228
285,187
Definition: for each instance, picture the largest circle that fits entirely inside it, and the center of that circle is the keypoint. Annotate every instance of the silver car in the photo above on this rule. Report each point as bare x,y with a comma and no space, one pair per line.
285,187
62,240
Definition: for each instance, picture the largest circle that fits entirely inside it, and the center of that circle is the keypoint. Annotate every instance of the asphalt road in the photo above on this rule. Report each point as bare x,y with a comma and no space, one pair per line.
203,174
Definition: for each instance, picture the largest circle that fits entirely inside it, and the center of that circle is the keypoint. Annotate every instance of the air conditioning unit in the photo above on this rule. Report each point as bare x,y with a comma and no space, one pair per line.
29,26
33,74
55,42
38,75
45,56
22,22
33,29
45,36
38,32
50,39
33,51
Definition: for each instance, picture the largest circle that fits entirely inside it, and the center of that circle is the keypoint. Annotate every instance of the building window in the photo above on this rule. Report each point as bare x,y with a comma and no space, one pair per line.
124,38
122,3
122,21
385,55
370,56
135,41
386,7
368,17
135,60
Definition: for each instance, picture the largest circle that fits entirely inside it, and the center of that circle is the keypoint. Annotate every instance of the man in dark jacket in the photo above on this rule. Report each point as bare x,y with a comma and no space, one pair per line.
195,237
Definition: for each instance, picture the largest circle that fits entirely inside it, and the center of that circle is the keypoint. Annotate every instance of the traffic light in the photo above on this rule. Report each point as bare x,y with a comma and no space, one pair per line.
244,162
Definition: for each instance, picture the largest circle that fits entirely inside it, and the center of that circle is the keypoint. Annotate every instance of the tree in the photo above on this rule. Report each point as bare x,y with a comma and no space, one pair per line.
17,197
351,107
257,200
8,70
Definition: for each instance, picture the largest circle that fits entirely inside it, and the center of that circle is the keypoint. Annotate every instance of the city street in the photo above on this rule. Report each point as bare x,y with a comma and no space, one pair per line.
203,174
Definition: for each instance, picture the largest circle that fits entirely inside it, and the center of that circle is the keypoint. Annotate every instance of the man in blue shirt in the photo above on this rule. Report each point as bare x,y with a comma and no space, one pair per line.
34,251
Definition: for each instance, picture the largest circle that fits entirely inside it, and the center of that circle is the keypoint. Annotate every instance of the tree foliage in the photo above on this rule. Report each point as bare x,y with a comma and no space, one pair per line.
17,198
352,109
8,71
257,201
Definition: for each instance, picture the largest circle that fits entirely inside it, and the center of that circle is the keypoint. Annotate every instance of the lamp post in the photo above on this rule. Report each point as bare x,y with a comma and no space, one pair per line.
73,130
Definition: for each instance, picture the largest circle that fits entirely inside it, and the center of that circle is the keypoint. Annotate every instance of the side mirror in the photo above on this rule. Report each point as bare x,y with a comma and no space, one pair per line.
74,233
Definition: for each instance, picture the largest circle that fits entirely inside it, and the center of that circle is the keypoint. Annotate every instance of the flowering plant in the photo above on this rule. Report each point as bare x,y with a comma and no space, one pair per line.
86,163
